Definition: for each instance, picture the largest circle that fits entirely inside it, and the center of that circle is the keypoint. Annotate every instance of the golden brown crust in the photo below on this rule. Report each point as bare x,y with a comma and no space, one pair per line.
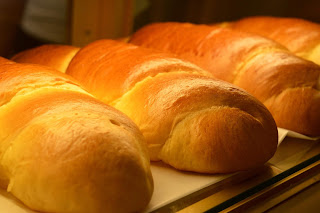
62,150
108,68
300,36
170,98
260,66
55,56
196,123
190,120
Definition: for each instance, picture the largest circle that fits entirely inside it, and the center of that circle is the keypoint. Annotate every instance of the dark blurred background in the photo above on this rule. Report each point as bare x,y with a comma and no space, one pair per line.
78,22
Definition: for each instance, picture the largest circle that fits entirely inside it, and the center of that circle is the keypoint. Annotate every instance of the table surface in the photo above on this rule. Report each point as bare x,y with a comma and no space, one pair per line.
290,182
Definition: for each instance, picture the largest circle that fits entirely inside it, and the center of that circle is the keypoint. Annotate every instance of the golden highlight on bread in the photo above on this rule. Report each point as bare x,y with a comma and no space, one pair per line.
286,84
62,150
52,55
300,36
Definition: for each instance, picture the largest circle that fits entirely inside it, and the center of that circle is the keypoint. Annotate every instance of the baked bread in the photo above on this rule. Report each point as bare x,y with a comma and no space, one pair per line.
62,150
190,120
56,56
286,84
300,36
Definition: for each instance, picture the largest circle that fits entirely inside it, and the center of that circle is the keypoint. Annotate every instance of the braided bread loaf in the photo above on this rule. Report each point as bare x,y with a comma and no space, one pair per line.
286,84
300,36
190,120
62,150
